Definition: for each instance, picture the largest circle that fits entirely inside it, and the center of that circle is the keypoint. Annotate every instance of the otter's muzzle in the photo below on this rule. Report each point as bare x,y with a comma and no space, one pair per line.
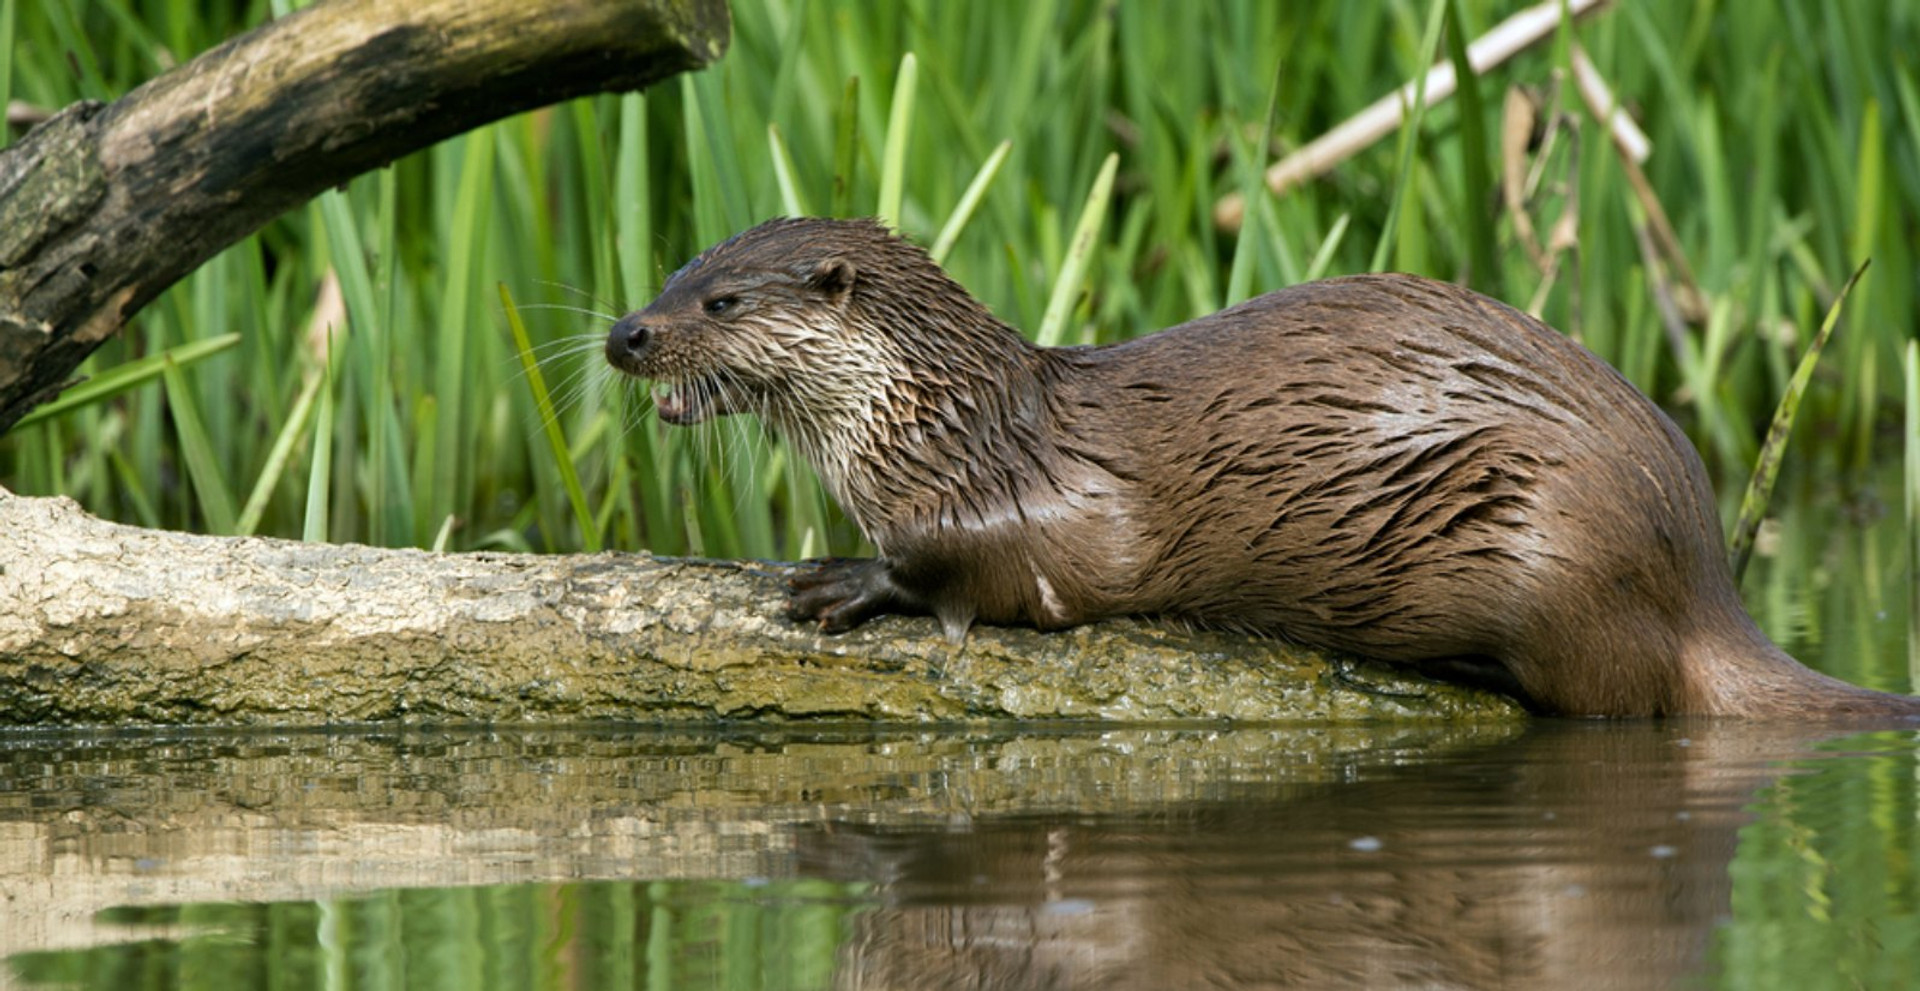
627,342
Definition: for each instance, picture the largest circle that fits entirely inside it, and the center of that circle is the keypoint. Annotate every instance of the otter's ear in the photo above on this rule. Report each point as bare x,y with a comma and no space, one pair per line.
832,277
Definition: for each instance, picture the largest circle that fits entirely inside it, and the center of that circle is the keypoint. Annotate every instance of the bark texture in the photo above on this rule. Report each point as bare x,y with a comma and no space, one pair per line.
104,206
102,623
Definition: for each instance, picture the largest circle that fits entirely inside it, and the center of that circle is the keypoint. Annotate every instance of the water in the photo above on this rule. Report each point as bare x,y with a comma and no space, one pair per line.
1556,854
1548,855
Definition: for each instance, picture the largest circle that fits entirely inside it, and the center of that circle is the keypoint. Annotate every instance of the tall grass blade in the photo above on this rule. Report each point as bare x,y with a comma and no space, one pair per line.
134,487
277,458
1753,505
1323,258
471,221
793,51
791,201
1909,100
319,506
347,249
388,451
197,449
67,20
633,205
1409,139
367,346
1869,214
846,148
556,437
1476,174
1253,193
969,201
7,21
1073,268
426,423
594,187
131,375
1912,494
893,163
721,156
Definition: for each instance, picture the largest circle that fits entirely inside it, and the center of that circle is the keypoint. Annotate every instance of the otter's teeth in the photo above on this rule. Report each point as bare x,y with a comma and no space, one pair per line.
666,402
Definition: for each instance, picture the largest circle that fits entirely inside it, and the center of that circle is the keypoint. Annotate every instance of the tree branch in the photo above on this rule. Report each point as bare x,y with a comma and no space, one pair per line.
105,206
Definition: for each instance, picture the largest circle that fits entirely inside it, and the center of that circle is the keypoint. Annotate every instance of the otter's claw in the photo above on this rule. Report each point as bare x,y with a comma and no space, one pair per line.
841,593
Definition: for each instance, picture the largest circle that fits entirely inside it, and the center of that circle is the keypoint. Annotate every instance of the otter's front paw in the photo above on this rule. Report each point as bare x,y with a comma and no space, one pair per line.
841,593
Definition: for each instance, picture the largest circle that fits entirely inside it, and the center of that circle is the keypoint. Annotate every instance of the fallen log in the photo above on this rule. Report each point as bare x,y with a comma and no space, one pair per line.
107,624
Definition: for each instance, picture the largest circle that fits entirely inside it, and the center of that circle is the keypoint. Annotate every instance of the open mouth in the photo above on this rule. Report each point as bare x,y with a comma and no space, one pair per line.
684,403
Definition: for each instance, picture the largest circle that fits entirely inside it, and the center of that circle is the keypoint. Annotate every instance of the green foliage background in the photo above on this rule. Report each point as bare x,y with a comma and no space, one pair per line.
1783,149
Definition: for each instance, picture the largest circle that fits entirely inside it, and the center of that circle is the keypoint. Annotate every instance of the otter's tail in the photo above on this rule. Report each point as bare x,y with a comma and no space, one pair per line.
1732,669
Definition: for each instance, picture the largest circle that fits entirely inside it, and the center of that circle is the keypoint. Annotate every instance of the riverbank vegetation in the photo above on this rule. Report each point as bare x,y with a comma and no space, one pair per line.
349,373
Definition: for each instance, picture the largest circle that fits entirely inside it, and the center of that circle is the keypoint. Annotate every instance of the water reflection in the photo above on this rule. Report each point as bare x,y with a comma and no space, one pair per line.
1555,854
684,934
1571,857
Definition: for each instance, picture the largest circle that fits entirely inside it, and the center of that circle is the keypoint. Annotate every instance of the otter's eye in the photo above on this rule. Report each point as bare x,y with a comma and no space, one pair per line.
720,304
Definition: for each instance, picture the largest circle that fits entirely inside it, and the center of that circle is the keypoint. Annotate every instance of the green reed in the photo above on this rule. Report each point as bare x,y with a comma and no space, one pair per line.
399,414
780,933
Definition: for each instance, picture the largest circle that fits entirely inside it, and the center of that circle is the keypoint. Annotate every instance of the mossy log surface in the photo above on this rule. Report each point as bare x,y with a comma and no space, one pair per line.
105,205
102,623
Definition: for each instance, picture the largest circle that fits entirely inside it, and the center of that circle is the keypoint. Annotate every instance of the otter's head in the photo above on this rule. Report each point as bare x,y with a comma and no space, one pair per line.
847,340
760,323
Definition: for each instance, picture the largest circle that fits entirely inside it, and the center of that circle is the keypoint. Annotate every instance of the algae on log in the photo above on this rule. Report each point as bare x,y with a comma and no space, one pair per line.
102,623
102,207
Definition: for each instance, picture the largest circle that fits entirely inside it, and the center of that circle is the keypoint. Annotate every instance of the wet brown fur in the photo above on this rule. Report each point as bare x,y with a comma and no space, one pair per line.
1381,464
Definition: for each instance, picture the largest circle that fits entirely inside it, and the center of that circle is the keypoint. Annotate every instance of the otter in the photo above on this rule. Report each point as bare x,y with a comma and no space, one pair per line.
1381,465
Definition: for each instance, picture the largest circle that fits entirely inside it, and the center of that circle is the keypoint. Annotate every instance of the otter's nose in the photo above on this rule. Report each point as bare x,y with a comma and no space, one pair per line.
627,338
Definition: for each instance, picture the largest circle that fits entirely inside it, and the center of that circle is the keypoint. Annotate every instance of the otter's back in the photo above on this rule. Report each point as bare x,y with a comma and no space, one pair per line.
1403,468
